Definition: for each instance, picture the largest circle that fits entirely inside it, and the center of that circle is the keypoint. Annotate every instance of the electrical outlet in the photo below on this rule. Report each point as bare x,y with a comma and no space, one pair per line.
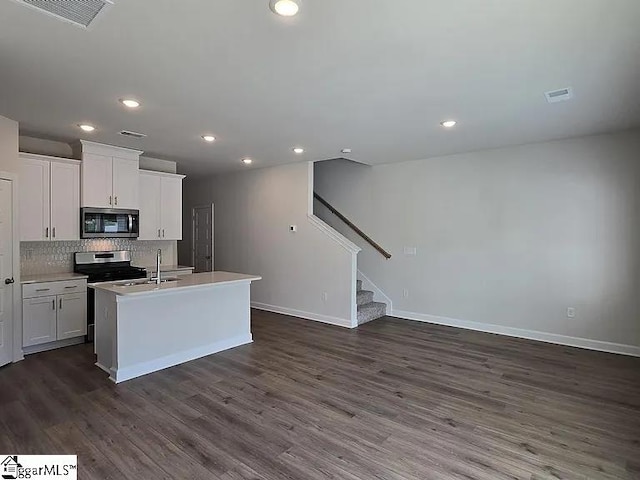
325,296
293,228
405,293
571,312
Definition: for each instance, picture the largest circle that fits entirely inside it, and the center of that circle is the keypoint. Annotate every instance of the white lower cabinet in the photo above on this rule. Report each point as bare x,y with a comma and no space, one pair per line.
72,316
49,314
38,320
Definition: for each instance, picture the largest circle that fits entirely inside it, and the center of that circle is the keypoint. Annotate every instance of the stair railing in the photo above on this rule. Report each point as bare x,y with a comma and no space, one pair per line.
352,226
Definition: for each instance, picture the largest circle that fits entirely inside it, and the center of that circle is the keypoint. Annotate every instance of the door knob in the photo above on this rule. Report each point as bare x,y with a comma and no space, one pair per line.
9,281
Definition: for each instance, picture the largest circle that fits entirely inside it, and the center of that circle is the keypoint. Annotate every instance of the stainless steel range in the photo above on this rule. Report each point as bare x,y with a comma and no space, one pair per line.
104,267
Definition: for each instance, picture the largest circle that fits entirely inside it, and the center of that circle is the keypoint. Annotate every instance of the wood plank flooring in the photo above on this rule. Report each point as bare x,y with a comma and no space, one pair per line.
391,400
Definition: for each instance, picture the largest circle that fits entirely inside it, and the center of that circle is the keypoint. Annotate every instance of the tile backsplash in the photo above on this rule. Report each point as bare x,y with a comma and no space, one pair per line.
57,257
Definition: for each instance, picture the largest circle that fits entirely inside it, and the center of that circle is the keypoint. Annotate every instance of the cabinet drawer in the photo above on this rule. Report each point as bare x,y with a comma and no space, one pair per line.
44,289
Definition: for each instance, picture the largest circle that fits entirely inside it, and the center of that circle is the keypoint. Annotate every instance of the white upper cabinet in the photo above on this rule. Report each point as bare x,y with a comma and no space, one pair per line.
150,221
34,198
125,183
109,176
49,198
97,181
171,207
160,206
65,201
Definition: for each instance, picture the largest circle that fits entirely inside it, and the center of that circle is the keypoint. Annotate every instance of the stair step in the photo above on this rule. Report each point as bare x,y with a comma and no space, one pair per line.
371,311
358,284
363,297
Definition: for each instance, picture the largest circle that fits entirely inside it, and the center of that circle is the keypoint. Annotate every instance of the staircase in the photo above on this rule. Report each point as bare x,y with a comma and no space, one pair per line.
368,309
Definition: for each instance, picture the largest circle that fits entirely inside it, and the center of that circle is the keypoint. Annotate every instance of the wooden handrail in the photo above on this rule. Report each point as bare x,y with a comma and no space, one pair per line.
351,225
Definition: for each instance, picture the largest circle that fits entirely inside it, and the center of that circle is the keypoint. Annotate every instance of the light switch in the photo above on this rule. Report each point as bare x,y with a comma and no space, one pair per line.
412,251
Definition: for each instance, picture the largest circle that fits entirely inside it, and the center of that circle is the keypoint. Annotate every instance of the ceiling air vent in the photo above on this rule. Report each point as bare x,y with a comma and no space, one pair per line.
559,95
127,133
78,12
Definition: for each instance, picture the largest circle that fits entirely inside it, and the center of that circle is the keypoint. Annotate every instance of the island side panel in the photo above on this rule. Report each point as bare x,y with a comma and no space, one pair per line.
105,330
171,327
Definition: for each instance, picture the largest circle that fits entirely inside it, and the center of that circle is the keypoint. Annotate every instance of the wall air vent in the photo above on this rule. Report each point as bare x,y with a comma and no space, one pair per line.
127,133
559,95
79,12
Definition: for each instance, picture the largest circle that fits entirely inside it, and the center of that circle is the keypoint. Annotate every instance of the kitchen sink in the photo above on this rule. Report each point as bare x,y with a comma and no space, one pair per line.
146,282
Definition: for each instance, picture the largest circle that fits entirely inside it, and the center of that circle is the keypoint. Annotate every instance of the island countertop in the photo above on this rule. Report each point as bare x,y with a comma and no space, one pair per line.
197,280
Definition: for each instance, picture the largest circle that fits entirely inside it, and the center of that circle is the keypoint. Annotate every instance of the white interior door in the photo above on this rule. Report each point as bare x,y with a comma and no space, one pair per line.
203,238
6,272
65,201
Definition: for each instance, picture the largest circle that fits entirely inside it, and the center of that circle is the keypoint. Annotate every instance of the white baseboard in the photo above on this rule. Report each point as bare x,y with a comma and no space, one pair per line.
53,345
339,322
119,375
586,343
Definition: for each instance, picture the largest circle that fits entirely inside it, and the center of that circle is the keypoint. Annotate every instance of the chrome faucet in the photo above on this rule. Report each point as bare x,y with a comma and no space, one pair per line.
158,258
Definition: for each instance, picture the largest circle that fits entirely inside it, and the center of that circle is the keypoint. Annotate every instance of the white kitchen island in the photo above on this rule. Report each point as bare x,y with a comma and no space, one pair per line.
142,327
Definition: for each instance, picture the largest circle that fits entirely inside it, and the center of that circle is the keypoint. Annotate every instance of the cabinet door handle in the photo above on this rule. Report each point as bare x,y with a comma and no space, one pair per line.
53,304
158,233
54,232
42,289
60,304
74,286
46,232
110,200
116,199
163,233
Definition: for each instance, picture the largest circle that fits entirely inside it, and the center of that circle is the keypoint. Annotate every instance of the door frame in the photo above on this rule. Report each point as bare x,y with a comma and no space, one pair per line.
193,234
17,291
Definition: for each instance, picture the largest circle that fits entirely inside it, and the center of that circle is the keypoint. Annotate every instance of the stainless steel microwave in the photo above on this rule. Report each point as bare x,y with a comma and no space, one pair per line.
109,223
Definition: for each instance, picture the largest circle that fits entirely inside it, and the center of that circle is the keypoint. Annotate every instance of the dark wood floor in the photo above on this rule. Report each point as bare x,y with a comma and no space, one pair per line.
391,400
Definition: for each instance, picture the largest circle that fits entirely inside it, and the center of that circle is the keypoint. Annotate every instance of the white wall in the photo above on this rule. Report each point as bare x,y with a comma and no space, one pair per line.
508,237
43,146
8,145
253,211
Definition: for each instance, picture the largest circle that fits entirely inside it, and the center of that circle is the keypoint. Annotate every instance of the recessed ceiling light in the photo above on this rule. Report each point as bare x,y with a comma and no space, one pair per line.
448,123
298,150
208,138
130,102
346,150
86,127
286,8
247,161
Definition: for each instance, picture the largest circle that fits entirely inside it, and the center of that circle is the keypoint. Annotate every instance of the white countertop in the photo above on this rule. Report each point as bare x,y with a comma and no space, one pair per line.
197,280
51,277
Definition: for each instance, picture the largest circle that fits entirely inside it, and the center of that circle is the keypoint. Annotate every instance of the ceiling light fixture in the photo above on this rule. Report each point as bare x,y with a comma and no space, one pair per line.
285,8
130,102
298,150
247,161
208,138
448,123
86,127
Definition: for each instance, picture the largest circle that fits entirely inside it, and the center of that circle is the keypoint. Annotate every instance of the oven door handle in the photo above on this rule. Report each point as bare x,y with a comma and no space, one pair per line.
130,223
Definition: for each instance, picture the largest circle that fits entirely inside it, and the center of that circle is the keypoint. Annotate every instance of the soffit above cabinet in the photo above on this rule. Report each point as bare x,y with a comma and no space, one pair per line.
85,146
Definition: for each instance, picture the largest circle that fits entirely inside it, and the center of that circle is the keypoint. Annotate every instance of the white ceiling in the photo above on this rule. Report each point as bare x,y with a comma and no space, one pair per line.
375,76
